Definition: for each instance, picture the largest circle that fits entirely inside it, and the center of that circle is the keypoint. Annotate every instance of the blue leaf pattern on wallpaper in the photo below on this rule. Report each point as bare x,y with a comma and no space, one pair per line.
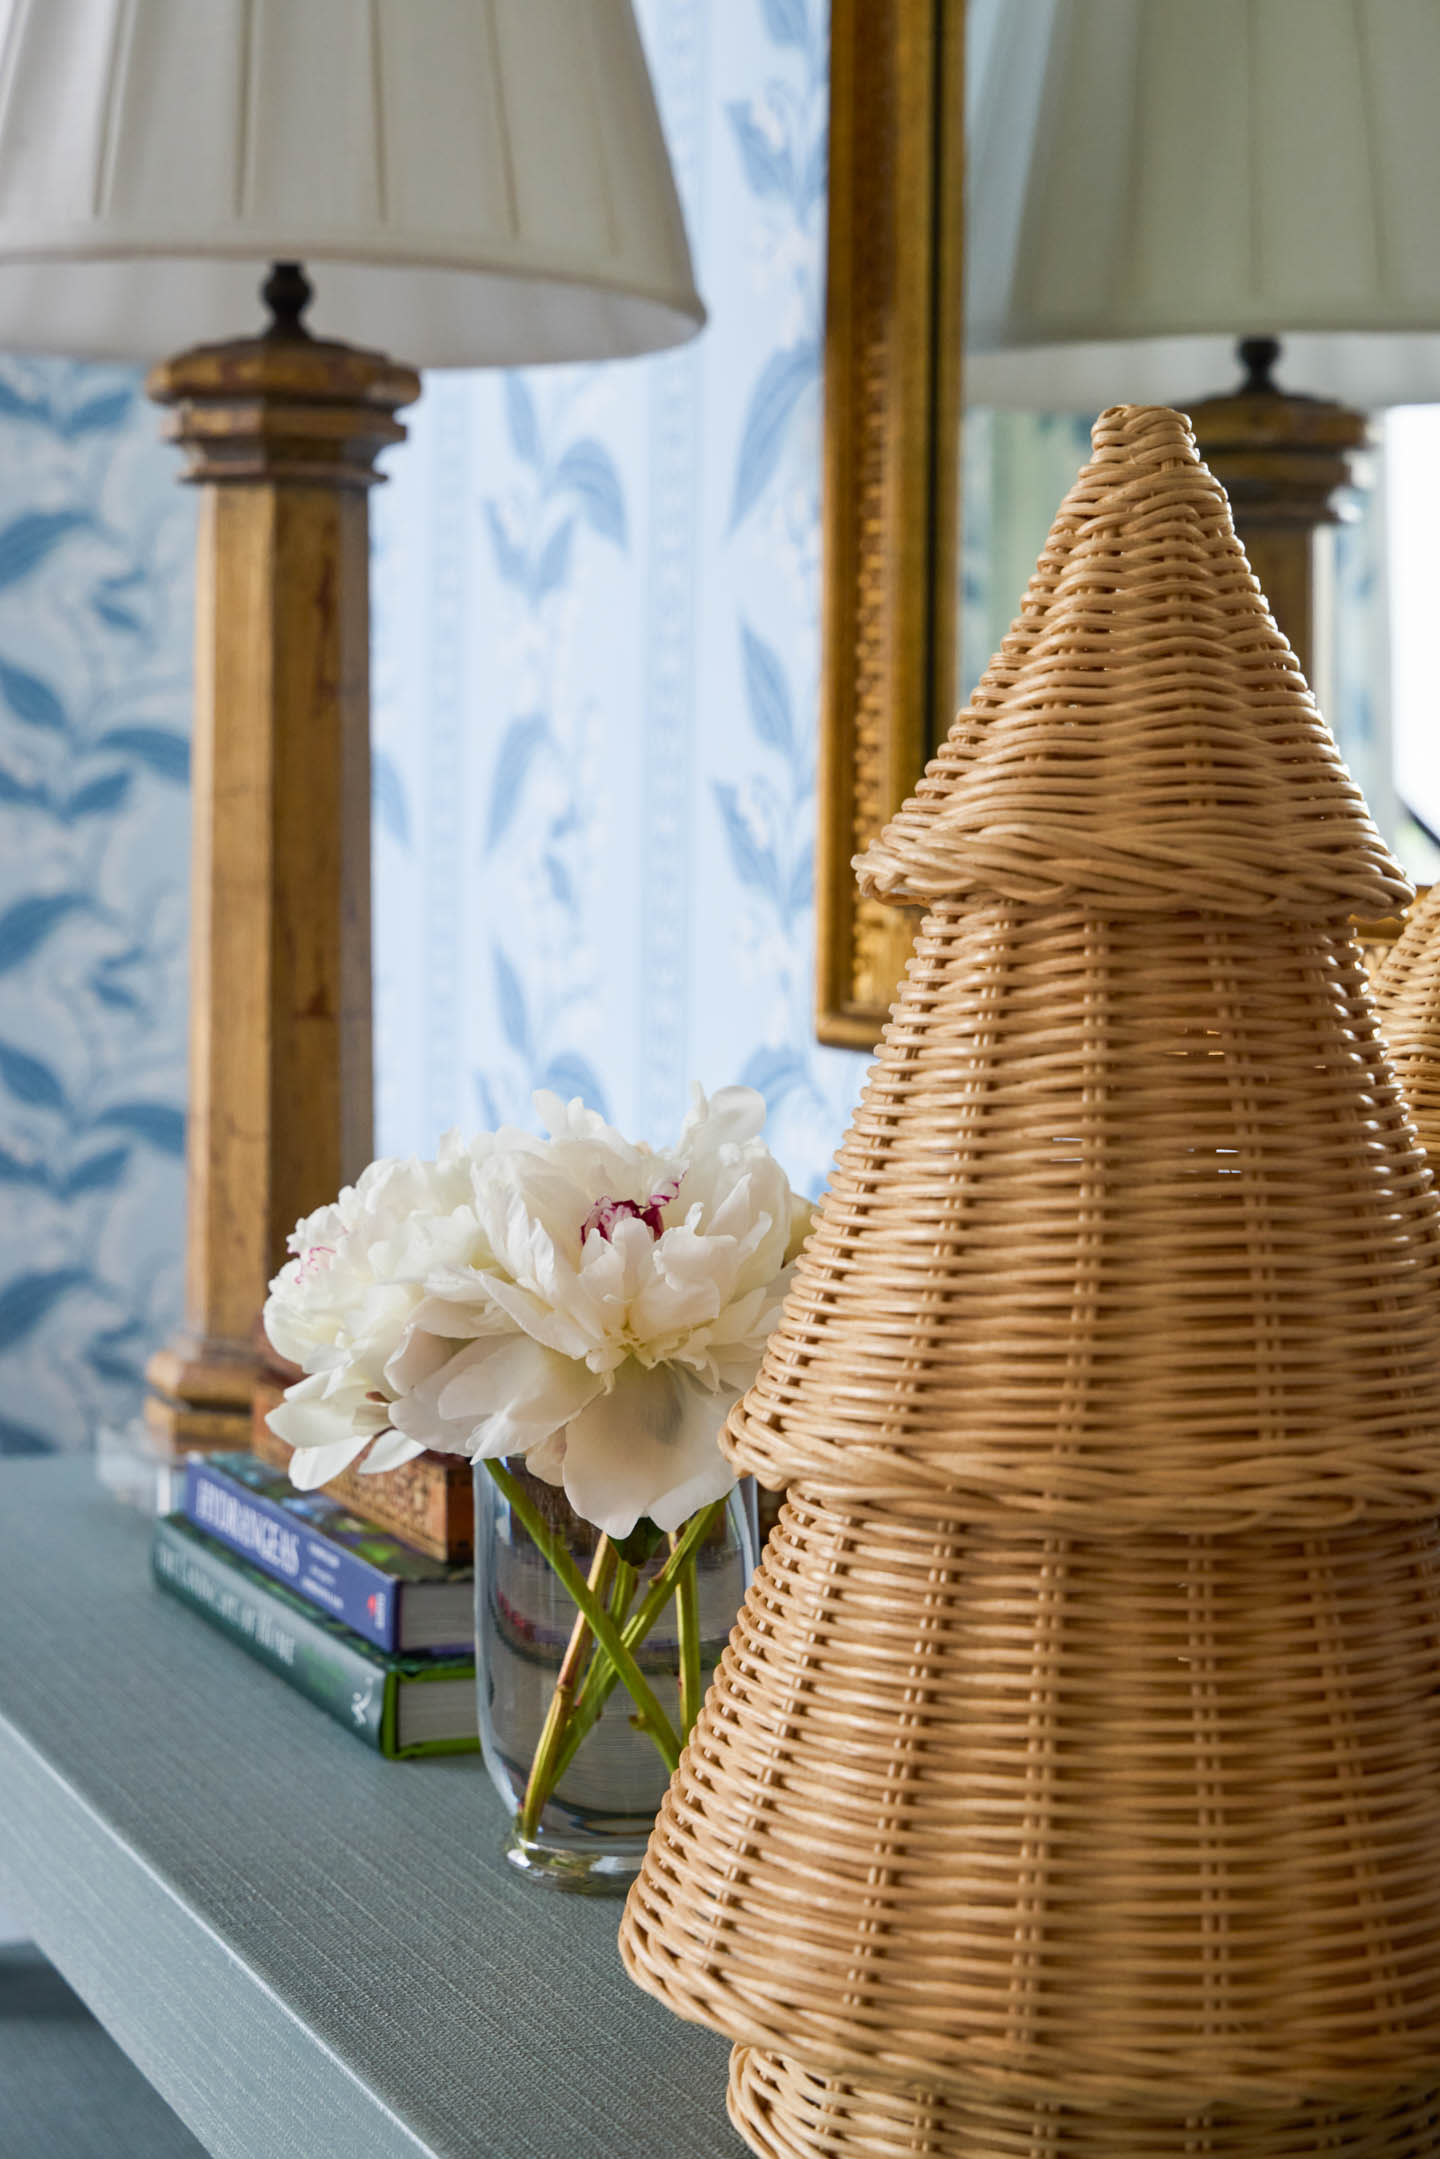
775,1073
26,1301
509,560
96,545
567,500
766,155
597,661
768,815
159,749
552,570
783,382
30,1079
510,1002
27,540
520,416
569,1074
788,22
768,693
588,471
157,1123
31,700
518,746
25,926
752,857
388,797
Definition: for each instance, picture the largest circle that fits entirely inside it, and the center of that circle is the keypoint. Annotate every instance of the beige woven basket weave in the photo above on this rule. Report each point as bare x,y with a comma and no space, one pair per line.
1057,1817
1071,1783
786,2112
1130,1227
1407,995
1144,738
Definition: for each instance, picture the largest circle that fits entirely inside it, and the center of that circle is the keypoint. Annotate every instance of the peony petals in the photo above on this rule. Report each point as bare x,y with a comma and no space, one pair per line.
500,1396
557,1330
417,1417
730,1117
461,1304
284,1330
311,1467
418,1358
547,1461
390,1451
306,1419
648,1447
519,1392
691,1278
435,1329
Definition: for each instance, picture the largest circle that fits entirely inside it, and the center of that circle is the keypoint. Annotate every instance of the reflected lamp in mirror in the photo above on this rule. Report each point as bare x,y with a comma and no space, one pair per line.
482,182
1152,181
1148,185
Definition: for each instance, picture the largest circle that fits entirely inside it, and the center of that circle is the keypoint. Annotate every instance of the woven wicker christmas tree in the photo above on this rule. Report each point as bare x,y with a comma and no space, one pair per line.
1071,1784
1407,995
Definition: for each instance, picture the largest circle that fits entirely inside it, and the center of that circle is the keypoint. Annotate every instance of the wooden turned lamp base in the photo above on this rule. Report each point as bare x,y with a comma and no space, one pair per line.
281,433
1284,461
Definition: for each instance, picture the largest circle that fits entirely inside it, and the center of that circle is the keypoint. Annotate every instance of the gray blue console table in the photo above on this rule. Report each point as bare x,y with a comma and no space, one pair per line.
309,1952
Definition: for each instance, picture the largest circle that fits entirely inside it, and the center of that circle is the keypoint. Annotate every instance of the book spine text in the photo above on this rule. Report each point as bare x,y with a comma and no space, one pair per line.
325,1574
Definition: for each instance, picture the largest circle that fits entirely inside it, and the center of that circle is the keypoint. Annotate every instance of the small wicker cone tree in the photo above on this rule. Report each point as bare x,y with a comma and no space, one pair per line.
1407,997
1071,1784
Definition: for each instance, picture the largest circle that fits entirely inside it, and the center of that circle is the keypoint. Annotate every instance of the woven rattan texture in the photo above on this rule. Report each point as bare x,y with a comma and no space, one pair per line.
1407,994
1119,1822
785,2112
1129,1228
1144,738
1072,1776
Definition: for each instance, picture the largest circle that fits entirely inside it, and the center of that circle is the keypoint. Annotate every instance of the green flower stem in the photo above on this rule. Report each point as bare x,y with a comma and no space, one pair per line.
607,1634
600,1679
543,1772
658,1595
622,1596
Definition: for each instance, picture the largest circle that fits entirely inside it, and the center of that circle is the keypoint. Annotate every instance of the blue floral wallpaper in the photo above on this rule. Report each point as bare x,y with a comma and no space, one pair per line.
597,660
595,672
596,665
96,544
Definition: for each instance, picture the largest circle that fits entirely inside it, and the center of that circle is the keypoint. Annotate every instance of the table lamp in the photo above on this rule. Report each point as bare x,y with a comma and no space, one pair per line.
483,181
1151,180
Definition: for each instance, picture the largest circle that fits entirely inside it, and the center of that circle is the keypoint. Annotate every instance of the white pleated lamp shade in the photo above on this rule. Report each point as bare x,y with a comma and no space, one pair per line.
468,181
1150,180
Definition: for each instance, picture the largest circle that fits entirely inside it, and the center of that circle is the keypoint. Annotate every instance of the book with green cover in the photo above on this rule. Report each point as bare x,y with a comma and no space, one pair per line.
400,1705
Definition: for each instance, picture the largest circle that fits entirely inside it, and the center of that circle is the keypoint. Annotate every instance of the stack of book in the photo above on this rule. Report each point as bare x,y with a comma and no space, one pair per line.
371,1629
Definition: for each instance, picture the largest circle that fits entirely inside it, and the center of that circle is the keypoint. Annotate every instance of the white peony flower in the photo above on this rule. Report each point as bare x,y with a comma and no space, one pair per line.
341,1306
589,1304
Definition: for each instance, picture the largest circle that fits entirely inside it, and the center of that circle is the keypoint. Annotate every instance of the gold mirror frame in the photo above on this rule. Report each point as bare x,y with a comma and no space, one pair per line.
890,520
894,333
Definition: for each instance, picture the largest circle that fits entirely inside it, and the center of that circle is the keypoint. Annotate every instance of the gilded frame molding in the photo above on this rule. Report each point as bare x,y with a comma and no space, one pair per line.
890,516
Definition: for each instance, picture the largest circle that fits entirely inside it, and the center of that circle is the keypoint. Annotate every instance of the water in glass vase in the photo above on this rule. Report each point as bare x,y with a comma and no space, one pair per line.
571,1749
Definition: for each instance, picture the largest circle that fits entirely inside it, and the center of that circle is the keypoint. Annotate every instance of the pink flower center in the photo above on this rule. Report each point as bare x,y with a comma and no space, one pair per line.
607,1212
313,1261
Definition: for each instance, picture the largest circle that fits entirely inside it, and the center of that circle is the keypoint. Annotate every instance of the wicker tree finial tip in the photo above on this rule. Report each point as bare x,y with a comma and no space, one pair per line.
1144,435
1144,738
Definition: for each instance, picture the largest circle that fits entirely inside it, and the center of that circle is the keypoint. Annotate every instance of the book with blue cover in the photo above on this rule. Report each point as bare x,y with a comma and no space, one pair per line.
399,1705
381,1588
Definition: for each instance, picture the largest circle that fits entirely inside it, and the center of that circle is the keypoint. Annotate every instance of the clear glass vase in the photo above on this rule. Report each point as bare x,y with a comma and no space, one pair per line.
589,1833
